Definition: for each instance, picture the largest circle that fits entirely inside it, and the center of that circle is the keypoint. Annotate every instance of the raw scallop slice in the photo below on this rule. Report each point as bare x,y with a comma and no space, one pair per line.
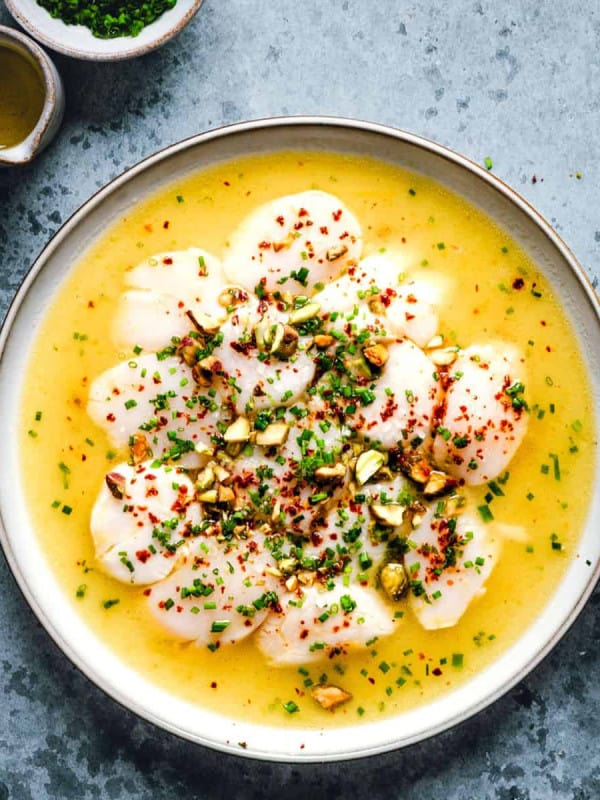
484,420
221,594
383,297
406,394
155,394
301,634
311,231
439,601
262,384
162,290
141,522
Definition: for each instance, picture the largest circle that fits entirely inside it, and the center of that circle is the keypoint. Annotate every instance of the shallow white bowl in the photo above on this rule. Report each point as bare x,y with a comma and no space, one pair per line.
77,41
34,575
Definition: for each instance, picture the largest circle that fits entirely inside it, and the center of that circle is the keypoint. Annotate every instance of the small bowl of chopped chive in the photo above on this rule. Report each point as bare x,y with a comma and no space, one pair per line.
103,30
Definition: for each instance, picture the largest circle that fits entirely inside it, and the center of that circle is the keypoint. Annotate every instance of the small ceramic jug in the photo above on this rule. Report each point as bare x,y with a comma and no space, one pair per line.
54,100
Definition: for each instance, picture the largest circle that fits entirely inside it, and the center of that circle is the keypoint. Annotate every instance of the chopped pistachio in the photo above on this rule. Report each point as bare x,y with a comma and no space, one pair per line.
336,251
304,313
391,515
273,435
116,485
434,343
394,580
226,494
329,696
286,344
331,474
367,465
376,354
205,479
238,431
444,357
139,448
323,340
287,566
291,583
437,482
222,475
208,496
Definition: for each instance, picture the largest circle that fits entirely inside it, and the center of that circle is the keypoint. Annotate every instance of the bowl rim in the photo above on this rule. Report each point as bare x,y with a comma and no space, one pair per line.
114,53
89,669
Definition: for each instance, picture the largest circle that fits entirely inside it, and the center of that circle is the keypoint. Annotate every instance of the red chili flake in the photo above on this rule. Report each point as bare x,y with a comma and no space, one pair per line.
143,555
147,592
337,215
110,417
518,283
264,245
304,633
303,212
167,260
226,183
91,304
148,227
166,224
280,220
324,230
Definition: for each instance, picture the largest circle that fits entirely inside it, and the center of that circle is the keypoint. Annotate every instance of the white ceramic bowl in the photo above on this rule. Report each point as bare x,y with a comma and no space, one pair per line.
77,41
54,99
56,611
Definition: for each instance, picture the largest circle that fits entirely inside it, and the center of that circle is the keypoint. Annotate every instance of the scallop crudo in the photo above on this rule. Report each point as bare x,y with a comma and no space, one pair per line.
163,291
142,521
385,295
301,240
297,453
219,594
484,415
449,561
326,622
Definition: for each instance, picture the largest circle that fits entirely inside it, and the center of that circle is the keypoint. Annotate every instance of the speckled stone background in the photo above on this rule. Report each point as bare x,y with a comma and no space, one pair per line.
518,81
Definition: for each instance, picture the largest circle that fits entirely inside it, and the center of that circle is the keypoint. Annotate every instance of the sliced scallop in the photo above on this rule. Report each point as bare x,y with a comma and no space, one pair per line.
484,420
220,594
322,622
162,290
312,234
449,566
405,396
157,397
259,383
386,299
142,520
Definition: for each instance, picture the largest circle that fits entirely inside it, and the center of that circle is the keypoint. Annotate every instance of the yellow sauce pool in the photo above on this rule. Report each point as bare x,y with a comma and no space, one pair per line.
21,97
548,494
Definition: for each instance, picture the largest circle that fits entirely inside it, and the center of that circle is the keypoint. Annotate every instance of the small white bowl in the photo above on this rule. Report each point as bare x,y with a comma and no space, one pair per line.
78,41
54,100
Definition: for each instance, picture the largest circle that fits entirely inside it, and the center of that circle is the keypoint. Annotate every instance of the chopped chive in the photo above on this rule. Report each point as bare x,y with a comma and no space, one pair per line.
457,660
485,513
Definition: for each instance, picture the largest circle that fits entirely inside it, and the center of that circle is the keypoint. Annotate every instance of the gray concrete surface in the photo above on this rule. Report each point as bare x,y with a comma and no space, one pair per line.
518,81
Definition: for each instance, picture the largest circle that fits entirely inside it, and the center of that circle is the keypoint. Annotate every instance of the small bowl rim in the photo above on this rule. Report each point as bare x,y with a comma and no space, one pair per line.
50,79
349,751
116,53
